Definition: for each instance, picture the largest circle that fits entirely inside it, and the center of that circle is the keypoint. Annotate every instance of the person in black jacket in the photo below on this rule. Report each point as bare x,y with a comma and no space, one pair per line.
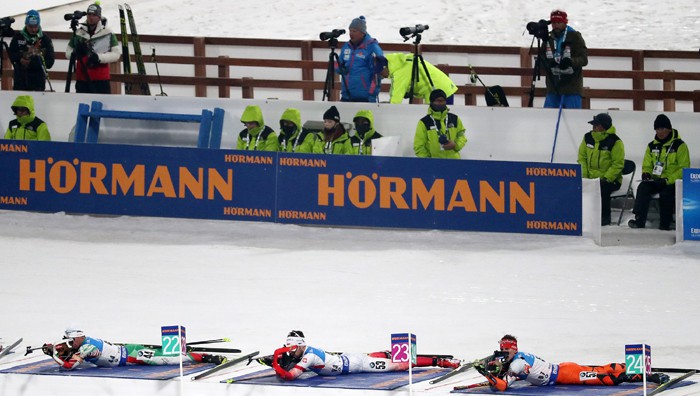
31,53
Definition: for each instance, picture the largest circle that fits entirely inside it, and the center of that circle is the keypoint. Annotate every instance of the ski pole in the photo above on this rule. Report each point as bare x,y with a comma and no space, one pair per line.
556,130
155,61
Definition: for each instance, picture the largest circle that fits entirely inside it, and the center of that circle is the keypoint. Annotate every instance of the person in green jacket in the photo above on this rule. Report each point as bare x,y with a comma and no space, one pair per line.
334,139
361,141
293,138
256,135
26,125
664,160
399,69
440,134
602,156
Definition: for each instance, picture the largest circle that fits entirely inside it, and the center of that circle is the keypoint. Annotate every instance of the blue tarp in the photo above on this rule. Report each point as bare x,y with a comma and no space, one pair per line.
49,367
525,389
380,381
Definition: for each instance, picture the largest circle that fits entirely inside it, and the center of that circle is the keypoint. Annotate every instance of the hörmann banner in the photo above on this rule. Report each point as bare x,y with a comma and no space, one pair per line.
691,204
430,193
303,189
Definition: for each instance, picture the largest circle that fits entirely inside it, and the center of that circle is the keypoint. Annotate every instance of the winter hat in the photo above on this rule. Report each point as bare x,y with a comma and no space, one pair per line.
332,114
662,121
360,24
95,9
32,18
602,119
558,16
438,93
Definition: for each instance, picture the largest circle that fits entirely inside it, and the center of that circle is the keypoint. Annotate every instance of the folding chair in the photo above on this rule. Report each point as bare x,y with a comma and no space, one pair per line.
628,171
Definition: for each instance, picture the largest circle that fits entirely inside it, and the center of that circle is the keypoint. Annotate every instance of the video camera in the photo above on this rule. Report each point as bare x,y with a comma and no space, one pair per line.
334,34
539,29
412,31
6,27
74,16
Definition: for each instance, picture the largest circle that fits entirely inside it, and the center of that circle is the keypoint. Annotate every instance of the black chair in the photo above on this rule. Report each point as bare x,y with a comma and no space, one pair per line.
625,191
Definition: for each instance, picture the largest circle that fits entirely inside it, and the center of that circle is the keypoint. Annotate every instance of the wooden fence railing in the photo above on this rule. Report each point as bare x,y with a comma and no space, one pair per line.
307,64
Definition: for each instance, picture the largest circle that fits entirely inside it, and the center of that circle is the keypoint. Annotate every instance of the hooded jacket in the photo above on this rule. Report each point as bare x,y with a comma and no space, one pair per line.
602,155
29,127
39,50
426,143
362,145
358,66
674,155
300,141
337,143
400,72
103,42
260,138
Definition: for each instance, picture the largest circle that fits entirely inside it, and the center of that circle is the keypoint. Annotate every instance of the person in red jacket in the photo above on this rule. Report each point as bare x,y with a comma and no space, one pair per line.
95,47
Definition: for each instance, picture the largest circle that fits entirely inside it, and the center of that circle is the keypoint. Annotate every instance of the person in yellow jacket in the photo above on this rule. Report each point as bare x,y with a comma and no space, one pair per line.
256,136
440,134
400,69
361,141
334,139
27,126
293,137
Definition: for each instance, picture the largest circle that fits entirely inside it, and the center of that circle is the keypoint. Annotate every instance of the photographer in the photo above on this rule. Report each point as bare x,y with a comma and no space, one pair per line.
95,48
563,56
31,53
359,65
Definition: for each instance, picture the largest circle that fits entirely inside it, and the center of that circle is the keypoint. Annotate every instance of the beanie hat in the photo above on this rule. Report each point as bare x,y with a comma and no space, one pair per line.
602,119
438,93
360,24
662,121
558,16
95,9
32,18
332,114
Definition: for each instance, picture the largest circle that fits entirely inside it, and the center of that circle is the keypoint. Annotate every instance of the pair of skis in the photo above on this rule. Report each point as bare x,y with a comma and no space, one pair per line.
132,89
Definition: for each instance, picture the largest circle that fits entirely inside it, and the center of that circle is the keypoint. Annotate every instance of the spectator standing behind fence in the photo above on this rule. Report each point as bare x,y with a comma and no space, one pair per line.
563,55
95,48
293,138
664,160
361,141
26,125
440,134
602,156
399,69
333,139
31,53
360,65
256,136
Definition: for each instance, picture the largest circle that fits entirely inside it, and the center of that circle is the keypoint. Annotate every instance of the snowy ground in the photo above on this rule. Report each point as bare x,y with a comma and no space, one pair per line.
635,24
121,278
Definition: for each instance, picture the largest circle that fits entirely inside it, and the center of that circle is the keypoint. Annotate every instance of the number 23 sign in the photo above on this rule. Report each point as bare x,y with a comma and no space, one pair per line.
403,346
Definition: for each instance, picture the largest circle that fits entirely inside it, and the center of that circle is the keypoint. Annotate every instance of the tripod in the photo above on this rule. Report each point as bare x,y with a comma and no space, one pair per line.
415,74
330,70
74,57
535,70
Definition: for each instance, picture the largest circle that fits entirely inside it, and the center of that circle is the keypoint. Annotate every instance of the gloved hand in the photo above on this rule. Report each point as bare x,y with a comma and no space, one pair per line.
480,366
47,349
93,59
646,176
81,48
565,63
443,139
551,63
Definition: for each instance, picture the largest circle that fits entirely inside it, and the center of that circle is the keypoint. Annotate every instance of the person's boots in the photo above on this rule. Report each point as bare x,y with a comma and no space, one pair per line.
216,359
448,363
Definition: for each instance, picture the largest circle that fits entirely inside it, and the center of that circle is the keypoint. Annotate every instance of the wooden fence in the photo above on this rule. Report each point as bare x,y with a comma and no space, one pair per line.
307,64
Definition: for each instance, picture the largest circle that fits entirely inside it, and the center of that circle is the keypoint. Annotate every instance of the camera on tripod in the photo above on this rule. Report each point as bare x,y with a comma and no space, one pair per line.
6,27
334,34
539,29
74,16
412,31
